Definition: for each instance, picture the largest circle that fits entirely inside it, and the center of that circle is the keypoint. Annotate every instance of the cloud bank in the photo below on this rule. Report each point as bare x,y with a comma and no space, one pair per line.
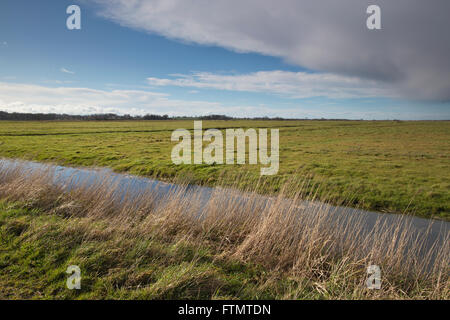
287,84
17,97
31,98
410,53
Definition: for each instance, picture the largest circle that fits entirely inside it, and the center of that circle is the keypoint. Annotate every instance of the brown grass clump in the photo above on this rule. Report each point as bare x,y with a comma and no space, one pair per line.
297,238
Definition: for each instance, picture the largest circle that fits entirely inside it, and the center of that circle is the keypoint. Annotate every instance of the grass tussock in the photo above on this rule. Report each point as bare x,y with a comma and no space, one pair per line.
234,245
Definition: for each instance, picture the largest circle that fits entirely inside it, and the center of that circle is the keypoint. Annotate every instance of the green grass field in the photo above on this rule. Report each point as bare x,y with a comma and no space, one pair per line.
387,166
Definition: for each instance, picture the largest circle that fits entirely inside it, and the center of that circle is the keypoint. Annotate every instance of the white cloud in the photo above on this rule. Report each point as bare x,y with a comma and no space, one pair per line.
66,71
5,44
410,53
285,83
17,97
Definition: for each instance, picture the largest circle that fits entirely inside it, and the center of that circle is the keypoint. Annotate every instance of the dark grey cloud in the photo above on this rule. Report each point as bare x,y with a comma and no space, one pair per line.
411,53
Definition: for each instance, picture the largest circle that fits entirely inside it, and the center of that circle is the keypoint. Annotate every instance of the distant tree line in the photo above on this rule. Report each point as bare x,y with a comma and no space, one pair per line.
111,116
94,117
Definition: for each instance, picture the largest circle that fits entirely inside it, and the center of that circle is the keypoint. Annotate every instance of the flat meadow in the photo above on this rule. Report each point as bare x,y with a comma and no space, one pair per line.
142,246
387,166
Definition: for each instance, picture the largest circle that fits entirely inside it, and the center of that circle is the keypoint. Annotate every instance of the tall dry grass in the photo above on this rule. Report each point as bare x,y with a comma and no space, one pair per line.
307,241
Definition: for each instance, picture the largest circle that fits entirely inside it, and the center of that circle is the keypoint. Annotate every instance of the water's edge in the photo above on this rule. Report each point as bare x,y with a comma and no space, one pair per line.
435,231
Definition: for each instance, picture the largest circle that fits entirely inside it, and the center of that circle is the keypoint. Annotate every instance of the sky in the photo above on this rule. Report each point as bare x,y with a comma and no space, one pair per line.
246,58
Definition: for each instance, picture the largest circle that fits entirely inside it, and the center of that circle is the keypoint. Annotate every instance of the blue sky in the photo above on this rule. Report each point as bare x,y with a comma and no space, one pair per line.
117,63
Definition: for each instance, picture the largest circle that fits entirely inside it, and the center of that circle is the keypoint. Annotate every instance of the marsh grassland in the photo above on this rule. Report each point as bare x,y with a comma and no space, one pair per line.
391,166
135,247
138,248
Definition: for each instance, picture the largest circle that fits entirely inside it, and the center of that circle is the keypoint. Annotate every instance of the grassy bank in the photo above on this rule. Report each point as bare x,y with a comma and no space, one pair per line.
384,165
37,247
138,248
